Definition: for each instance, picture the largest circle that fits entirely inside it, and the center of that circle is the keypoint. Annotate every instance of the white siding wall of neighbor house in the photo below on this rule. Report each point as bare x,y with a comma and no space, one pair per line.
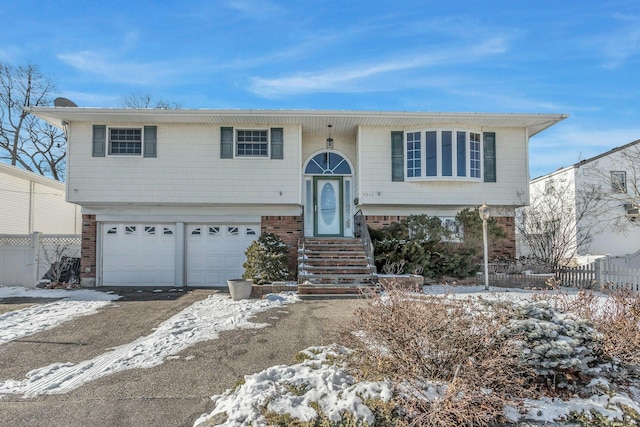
612,241
605,240
31,202
188,169
375,186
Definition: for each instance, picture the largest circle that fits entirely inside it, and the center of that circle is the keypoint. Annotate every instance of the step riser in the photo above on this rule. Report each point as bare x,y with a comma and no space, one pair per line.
324,262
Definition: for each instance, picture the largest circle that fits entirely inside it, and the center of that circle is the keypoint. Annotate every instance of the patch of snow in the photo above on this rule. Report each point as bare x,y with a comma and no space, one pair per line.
201,321
40,317
292,389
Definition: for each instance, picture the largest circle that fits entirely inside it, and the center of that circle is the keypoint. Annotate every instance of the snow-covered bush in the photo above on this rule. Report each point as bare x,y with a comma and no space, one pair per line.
558,345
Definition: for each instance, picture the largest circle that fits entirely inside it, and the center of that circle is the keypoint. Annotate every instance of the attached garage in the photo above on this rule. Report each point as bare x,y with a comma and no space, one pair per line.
140,254
215,252
172,254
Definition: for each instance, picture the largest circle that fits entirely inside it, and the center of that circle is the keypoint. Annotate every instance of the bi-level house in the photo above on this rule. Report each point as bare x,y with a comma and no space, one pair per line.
174,197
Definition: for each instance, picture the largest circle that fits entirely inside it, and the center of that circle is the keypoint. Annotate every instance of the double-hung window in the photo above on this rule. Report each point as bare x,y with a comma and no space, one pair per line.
252,143
125,141
414,154
619,181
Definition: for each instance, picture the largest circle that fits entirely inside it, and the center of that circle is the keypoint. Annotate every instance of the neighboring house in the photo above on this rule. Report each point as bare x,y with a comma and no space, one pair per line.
174,197
30,202
36,223
607,184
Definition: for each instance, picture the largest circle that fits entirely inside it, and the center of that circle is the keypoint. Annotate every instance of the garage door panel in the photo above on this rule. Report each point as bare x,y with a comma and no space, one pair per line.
215,252
138,254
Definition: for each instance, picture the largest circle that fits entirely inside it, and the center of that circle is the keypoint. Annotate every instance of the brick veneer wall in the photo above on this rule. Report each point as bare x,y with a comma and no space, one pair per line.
502,248
88,251
289,229
505,247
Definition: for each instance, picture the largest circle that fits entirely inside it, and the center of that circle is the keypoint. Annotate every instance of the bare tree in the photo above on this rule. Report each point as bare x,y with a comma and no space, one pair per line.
616,180
145,100
560,221
25,140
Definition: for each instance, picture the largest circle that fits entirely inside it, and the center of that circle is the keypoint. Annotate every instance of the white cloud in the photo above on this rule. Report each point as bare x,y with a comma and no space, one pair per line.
564,145
114,69
254,7
621,44
353,77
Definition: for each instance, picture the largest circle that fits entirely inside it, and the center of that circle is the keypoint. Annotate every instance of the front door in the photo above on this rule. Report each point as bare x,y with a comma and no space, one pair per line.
327,205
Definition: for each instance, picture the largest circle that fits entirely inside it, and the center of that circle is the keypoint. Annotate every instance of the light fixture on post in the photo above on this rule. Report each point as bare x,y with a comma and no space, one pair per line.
485,214
329,140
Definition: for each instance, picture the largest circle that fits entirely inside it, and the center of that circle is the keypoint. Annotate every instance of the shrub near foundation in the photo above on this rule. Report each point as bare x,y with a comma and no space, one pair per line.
449,359
266,260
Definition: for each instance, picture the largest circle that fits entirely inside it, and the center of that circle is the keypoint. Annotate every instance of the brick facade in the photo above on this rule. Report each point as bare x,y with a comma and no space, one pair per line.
380,221
506,247
289,229
88,251
502,248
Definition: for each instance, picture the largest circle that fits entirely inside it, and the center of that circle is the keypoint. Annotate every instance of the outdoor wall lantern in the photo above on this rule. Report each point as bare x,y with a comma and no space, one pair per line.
329,140
485,214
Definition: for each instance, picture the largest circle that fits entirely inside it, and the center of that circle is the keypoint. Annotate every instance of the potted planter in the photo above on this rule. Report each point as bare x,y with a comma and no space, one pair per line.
240,288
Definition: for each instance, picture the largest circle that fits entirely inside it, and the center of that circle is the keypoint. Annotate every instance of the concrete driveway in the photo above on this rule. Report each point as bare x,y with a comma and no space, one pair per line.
175,393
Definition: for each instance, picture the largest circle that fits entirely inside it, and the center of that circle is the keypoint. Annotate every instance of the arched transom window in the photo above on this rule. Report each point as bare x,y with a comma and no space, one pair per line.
328,164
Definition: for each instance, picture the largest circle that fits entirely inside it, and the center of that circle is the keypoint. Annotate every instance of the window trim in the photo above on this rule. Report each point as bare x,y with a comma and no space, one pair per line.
426,160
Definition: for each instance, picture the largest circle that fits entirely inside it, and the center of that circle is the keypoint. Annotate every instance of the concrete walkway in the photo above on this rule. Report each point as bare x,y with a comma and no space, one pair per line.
175,393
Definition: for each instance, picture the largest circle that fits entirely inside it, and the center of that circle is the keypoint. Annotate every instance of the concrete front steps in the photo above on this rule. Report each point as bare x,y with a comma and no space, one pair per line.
334,267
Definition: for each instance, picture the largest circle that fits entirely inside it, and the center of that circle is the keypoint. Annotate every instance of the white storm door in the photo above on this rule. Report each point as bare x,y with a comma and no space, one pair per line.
328,206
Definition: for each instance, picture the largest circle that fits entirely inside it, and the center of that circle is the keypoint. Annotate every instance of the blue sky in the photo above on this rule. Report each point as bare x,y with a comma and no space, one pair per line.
575,57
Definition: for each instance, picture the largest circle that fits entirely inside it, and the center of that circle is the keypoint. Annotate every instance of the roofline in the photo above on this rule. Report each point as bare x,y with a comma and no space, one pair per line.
589,160
31,176
56,115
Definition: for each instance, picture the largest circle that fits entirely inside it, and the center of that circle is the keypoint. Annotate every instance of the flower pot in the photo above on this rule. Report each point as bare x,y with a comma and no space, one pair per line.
240,288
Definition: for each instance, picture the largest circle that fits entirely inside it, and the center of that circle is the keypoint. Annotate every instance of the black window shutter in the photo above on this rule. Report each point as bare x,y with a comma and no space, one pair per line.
397,156
150,141
277,143
489,156
226,143
99,140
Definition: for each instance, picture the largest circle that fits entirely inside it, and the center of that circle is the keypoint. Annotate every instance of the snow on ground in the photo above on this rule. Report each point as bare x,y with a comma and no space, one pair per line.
40,317
295,390
201,321
298,388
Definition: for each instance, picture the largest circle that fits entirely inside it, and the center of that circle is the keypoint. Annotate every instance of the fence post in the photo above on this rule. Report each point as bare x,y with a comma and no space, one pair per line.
34,258
598,270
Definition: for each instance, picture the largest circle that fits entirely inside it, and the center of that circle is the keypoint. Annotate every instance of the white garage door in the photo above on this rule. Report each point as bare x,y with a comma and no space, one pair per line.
215,252
138,254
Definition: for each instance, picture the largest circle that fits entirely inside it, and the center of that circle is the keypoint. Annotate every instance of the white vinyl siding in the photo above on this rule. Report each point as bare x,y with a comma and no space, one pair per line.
30,202
187,170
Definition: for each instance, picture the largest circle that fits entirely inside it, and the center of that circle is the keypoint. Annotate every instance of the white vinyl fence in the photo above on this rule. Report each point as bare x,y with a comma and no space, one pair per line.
603,273
25,258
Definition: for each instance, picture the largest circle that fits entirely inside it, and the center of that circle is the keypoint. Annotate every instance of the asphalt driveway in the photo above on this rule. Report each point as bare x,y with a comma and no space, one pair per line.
178,391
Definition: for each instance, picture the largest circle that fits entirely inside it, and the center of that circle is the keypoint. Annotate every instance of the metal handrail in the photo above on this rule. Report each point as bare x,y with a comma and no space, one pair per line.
360,230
